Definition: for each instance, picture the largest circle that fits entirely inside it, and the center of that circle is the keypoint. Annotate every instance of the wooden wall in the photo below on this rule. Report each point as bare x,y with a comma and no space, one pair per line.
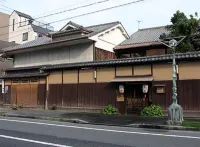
92,87
104,55
80,88
29,93
152,52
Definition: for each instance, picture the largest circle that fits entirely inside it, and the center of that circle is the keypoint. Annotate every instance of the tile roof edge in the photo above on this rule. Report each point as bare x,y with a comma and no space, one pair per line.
49,43
125,60
103,24
152,28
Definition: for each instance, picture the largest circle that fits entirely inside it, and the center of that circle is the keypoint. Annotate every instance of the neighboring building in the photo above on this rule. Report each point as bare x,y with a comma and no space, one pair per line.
70,45
4,29
144,42
5,63
23,28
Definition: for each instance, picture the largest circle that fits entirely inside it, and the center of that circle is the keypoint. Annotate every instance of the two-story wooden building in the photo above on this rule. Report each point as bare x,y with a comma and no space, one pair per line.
144,42
61,77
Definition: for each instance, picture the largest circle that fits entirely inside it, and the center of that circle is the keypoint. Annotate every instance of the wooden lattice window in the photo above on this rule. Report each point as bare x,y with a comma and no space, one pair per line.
24,81
34,80
15,81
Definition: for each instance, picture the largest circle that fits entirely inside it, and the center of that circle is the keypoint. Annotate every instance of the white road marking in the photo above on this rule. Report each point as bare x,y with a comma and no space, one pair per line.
98,129
33,141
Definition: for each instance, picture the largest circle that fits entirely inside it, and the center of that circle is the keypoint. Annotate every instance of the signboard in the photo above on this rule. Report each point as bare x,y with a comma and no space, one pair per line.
145,88
2,85
121,88
6,89
120,98
160,90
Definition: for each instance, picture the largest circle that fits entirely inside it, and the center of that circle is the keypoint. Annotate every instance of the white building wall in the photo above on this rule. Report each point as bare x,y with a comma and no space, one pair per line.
110,38
19,29
78,53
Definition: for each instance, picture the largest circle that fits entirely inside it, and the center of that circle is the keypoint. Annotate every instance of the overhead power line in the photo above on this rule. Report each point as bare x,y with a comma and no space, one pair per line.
55,14
63,7
101,10
91,4
5,9
93,12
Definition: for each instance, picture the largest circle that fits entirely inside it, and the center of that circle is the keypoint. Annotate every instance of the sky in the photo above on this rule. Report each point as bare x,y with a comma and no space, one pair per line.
151,13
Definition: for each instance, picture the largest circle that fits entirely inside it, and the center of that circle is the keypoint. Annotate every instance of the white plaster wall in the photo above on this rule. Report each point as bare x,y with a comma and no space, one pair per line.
110,38
78,53
17,34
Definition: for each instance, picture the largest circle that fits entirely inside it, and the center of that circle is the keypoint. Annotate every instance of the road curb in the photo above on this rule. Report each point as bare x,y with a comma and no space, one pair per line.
79,121
164,127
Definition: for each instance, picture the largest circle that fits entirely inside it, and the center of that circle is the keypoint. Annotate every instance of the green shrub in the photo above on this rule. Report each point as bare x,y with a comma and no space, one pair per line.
110,110
14,107
20,106
152,110
53,107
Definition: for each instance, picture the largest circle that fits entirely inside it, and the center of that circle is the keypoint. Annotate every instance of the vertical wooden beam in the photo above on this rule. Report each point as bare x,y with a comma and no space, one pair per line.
94,52
47,93
62,89
77,88
132,70
115,71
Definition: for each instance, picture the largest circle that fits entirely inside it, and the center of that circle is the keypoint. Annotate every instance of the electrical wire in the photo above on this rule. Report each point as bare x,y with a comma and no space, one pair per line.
5,9
91,4
93,12
63,7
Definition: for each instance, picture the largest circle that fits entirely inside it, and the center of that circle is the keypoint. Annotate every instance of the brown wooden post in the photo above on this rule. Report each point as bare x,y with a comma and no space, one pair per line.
47,93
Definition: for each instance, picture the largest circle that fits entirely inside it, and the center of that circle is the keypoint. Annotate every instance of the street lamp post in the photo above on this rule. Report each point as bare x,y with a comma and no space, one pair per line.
175,111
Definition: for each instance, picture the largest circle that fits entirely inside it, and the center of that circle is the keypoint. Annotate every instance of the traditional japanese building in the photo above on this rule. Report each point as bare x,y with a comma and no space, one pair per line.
130,84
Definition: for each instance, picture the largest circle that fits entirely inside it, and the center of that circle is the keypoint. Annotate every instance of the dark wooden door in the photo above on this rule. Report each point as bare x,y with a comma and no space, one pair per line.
135,98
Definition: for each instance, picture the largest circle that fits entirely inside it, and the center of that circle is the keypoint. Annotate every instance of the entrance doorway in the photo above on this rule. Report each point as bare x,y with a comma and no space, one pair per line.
136,100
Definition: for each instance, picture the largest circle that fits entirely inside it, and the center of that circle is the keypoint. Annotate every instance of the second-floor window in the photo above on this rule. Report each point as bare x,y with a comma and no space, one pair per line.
13,24
25,36
20,23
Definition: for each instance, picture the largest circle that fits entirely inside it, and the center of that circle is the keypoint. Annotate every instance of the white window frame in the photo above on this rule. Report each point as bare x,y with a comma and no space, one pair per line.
25,36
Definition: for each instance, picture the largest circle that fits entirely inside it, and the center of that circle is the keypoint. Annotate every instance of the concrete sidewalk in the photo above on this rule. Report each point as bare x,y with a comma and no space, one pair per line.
93,118
98,119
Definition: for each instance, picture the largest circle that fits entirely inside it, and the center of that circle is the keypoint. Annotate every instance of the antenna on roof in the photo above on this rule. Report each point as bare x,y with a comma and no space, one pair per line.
139,21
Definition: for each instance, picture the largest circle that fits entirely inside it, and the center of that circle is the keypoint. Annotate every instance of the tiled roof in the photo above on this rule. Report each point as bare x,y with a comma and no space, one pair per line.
23,75
39,41
145,36
138,60
40,29
4,44
73,24
95,29
24,68
45,40
23,15
101,27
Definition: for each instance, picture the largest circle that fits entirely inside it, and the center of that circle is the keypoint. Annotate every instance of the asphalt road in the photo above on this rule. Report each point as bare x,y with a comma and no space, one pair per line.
16,132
